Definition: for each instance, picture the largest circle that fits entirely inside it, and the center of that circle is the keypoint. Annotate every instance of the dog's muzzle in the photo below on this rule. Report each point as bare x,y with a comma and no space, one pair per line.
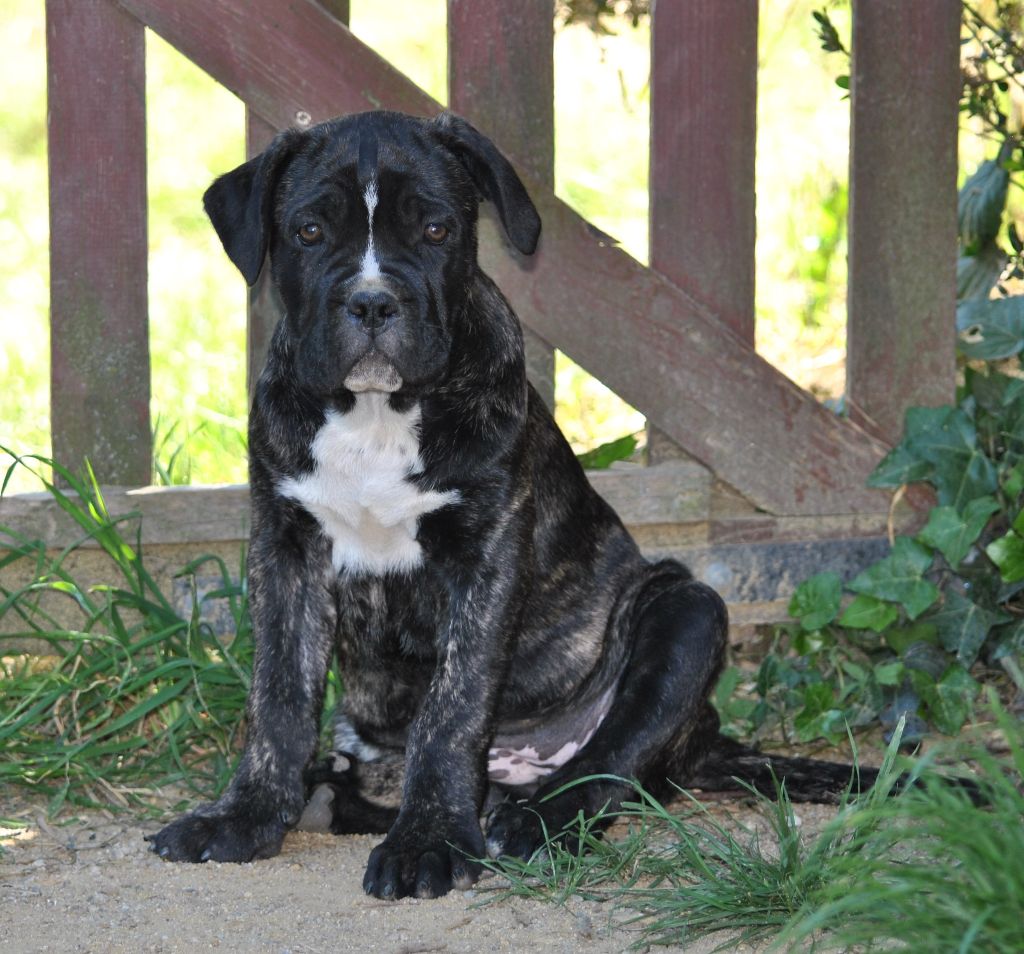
373,372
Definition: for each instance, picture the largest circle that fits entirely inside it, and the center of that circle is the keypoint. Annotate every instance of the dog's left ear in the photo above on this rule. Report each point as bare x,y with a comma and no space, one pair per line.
495,178
240,205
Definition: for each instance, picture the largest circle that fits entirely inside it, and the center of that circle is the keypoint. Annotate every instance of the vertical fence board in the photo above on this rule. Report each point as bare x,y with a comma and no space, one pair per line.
703,130
501,78
903,155
262,306
99,342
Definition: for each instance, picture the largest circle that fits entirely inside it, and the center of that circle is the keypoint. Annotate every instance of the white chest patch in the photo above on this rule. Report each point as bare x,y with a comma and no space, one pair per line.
359,489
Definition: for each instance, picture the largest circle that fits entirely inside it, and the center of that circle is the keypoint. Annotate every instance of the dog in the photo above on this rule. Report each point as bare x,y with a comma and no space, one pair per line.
416,511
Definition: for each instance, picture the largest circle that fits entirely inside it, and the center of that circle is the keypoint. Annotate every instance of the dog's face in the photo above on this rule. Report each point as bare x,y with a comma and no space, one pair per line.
370,222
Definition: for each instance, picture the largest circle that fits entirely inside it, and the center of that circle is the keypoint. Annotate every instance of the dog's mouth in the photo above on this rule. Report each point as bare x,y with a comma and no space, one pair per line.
373,372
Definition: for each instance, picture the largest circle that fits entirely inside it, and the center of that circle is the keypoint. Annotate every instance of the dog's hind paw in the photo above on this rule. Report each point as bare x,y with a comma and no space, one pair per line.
335,803
514,830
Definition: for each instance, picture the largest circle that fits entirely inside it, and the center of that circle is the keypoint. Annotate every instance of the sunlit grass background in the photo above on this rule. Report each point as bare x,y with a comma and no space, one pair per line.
197,300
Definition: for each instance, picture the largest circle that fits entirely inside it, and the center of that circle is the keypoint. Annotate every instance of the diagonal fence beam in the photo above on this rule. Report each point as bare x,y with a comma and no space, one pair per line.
293,63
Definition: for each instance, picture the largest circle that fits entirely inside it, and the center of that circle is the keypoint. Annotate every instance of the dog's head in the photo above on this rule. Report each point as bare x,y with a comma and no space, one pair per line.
370,222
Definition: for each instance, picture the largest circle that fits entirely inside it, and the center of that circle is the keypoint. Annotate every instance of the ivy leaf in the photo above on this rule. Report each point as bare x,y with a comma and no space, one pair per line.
889,673
899,578
947,701
946,438
991,328
901,638
1008,640
1007,553
980,204
900,466
953,535
816,601
963,626
867,612
977,274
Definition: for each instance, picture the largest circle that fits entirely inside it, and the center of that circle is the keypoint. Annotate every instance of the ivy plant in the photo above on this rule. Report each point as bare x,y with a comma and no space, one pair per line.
905,637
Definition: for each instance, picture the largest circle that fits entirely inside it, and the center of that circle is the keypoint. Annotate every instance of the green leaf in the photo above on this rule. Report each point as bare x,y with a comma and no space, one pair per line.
899,578
953,535
901,638
1007,553
977,274
963,626
816,601
889,673
602,457
991,328
1008,640
900,466
946,438
980,204
947,701
867,612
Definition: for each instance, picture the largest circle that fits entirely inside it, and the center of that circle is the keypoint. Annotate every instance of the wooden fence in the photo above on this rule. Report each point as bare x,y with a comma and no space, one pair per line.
675,339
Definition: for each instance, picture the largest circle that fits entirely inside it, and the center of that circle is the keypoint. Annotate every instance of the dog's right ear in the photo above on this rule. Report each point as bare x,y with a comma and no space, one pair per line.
240,204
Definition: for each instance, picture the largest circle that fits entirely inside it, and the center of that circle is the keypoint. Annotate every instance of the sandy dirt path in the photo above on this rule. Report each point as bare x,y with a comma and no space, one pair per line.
91,885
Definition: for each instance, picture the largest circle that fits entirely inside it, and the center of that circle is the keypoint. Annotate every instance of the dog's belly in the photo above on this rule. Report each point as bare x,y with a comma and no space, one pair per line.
523,756
360,489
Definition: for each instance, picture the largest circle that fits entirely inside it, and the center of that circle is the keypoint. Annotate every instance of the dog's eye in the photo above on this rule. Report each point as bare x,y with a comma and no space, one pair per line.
310,233
435,232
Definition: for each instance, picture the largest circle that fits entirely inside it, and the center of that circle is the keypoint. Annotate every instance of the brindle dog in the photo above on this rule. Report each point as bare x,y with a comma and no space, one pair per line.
416,511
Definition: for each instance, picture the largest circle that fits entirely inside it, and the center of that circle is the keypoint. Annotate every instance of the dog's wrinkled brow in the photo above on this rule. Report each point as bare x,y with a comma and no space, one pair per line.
366,165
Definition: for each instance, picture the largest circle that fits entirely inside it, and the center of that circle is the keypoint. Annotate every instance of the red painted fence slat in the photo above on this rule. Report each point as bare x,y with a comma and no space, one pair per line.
99,342
501,78
291,61
703,131
903,157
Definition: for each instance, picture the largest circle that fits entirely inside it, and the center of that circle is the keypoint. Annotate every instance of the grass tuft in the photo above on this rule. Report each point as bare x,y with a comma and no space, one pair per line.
925,871
135,695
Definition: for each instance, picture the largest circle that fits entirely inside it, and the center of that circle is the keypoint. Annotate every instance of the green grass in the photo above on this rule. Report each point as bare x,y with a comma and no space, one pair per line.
925,871
134,695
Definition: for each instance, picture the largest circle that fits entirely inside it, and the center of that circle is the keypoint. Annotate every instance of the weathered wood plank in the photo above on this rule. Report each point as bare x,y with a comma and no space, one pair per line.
651,342
171,515
903,157
292,63
703,132
263,309
756,571
501,77
695,380
99,336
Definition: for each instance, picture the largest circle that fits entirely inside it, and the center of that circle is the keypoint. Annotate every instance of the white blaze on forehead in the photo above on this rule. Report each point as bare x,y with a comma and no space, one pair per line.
369,268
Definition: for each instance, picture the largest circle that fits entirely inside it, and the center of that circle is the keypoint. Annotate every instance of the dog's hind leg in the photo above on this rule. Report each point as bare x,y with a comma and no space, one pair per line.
335,803
676,631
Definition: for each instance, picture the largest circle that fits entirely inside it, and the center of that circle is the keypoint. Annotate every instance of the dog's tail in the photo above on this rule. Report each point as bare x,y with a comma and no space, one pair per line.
733,767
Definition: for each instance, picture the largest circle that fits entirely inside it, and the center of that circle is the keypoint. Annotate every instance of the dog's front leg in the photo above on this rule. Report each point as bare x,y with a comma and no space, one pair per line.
293,624
431,846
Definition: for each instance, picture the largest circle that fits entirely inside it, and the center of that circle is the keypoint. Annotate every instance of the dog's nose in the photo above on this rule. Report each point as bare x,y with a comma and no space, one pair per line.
372,308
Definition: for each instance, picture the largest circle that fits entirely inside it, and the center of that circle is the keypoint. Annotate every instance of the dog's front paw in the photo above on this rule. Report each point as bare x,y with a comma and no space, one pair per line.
424,861
214,834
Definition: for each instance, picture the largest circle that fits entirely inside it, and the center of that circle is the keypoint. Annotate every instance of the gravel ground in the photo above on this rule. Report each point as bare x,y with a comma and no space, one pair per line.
89,884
